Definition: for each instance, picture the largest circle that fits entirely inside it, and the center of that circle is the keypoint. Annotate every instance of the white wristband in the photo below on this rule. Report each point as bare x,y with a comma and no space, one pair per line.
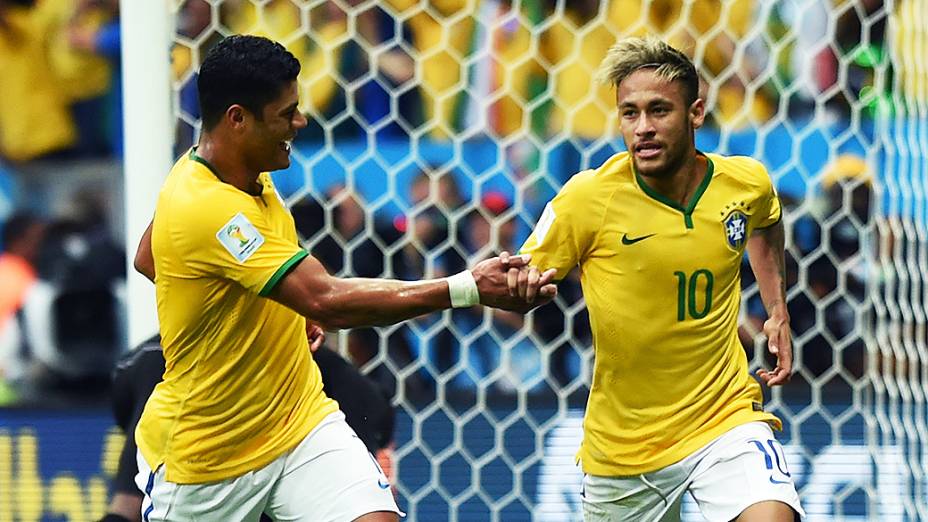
463,290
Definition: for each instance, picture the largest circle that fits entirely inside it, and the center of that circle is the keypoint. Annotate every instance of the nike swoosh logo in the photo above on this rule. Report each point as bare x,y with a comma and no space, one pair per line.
775,481
632,240
385,485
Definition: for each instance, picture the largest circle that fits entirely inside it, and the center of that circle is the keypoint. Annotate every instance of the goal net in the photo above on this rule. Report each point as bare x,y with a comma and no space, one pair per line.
440,129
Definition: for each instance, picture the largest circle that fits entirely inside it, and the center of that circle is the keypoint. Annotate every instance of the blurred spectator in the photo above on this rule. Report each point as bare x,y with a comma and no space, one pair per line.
338,235
94,37
498,351
73,314
428,251
35,117
22,234
349,246
21,238
474,63
338,68
802,27
281,20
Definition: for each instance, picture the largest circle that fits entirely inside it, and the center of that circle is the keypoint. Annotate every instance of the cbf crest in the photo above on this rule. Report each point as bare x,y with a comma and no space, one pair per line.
735,225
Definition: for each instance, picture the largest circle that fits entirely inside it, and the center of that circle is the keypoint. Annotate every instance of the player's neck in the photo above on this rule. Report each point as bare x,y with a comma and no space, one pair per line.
680,185
227,164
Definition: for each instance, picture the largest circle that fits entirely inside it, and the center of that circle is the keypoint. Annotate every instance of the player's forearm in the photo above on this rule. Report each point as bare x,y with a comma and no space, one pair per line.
766,254
336,303
358,302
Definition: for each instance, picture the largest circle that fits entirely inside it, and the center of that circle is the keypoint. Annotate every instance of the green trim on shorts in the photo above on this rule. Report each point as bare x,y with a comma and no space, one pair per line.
281,272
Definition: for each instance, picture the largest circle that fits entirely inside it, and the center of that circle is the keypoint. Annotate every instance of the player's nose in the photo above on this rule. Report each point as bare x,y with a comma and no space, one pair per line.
300,121
643,125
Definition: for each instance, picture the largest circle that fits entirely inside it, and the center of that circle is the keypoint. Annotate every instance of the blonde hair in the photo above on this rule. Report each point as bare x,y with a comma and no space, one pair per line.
632,54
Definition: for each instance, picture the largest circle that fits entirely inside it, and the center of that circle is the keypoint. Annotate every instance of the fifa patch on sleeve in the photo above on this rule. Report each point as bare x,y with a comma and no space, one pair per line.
544,223
240,237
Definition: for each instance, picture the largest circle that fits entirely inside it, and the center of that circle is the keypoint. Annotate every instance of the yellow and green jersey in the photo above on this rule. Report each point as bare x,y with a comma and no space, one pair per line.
240,387
662,287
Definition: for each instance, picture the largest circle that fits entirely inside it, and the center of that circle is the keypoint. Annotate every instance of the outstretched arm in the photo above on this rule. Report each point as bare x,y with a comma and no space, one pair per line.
766,253
336,303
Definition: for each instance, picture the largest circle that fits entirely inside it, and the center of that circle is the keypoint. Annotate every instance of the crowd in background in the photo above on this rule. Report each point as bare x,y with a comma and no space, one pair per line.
516,74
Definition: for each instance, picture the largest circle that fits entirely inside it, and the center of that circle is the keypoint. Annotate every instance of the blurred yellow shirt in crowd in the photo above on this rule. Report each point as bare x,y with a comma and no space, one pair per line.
445,41
318,50
35,116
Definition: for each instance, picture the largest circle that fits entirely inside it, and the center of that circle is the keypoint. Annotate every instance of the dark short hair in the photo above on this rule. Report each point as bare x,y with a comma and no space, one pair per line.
16,227
246,70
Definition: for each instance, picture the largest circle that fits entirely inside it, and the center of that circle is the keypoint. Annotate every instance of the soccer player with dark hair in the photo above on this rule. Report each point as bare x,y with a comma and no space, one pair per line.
240,424
659,232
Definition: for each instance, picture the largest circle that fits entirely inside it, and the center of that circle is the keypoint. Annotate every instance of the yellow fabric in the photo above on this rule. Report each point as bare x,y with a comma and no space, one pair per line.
35,117
847,166
181,62
909,44
240,387
82,74
662,386
319,53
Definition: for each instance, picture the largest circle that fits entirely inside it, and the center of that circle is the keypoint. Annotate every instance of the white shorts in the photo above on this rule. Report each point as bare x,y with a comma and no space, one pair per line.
330,476
742,467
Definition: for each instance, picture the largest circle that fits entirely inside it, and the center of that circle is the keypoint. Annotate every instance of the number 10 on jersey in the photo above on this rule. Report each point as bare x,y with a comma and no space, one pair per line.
687,300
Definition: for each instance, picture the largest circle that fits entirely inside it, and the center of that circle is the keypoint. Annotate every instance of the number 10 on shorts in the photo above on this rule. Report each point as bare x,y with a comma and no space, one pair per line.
774,460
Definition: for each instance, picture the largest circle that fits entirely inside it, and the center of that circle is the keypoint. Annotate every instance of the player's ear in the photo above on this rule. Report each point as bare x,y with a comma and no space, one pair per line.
236,116
697,113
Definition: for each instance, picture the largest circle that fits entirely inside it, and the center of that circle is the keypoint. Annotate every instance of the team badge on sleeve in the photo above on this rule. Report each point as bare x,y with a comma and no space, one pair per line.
240,237
736,229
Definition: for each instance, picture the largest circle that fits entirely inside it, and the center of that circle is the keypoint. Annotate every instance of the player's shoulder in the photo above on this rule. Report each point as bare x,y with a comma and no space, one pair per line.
596,182
744,167
741,171
193,192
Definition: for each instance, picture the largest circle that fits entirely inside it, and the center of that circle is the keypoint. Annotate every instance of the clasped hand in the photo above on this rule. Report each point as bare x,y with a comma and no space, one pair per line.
508,282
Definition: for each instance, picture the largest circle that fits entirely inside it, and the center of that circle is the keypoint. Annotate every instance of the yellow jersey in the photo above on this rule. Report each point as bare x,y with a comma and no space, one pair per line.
240,387
662,286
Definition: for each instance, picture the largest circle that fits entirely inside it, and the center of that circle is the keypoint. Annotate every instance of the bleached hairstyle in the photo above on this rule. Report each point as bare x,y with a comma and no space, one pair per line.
632,54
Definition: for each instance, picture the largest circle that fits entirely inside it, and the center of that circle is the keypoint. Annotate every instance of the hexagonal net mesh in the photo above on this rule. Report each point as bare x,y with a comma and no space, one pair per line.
440,129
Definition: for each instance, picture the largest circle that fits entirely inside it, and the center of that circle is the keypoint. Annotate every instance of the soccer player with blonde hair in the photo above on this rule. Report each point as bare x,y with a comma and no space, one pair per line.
659,232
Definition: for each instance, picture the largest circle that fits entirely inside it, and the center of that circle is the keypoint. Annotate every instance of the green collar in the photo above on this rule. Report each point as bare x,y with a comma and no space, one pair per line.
688,211
202,161
199,159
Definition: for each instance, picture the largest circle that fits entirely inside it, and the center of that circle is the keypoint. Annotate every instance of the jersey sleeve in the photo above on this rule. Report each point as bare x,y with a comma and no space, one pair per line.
565,230
234,243
768,203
